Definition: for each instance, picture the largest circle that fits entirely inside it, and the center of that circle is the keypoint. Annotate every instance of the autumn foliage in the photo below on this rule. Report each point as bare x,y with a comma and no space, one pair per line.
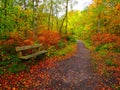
16,40
106,60
100,39
49,38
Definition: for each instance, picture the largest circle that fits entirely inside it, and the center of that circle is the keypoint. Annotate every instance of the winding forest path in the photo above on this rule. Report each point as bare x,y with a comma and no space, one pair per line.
75,73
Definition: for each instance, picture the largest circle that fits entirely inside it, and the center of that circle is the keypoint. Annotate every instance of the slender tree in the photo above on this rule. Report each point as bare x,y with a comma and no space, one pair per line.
25,19
50,13
66,16
5,18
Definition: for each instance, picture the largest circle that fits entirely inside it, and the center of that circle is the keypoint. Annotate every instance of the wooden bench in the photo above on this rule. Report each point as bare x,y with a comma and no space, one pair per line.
36,48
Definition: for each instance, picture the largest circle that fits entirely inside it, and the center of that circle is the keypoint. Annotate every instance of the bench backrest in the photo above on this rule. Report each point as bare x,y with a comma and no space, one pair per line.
27,47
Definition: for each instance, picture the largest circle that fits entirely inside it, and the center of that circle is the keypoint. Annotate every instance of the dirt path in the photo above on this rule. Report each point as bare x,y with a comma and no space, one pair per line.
74,73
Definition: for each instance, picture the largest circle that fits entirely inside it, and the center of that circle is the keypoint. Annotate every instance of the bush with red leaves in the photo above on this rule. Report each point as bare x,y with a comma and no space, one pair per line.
99,39
49,38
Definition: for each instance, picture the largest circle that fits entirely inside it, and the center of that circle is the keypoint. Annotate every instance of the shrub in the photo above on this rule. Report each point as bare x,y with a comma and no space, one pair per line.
11,64
109,46
99,39
61,44
7,47
16,68
70,38
110,63
49,38
64,50
51,50
27,42
106,41
1,70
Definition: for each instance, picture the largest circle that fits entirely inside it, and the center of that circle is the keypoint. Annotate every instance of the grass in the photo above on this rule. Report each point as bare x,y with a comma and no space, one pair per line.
62,52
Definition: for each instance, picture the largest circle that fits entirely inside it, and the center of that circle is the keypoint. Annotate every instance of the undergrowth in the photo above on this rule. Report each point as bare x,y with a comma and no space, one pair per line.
105,58
69,48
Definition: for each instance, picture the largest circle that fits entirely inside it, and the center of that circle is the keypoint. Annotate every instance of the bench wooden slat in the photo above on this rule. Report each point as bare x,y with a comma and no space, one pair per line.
27,47
33,55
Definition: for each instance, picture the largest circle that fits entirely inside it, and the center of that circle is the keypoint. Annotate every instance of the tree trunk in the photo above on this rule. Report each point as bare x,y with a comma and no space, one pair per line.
56,17
5,18
49,17
98,24
60,30
66,16
25,8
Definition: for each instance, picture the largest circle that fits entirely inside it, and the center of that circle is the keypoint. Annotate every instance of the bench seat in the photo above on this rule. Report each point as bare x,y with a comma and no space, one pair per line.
33,55
37,52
